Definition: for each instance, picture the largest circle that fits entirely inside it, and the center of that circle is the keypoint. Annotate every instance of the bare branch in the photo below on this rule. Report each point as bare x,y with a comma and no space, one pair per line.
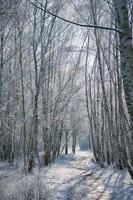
72,22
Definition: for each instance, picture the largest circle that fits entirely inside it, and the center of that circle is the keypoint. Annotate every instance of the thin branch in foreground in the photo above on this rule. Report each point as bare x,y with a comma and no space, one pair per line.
72,22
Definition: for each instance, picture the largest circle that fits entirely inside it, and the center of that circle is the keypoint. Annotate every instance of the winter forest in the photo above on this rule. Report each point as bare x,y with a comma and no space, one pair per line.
66,99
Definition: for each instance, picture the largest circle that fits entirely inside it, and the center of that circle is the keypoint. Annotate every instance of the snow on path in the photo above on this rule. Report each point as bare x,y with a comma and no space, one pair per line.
71,177
77,178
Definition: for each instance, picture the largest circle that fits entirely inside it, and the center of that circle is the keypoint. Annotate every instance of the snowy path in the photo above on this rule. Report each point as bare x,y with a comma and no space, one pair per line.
76,178
74,181
72,177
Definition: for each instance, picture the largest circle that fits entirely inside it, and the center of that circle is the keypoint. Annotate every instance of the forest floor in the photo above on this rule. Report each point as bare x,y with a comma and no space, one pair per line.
71,177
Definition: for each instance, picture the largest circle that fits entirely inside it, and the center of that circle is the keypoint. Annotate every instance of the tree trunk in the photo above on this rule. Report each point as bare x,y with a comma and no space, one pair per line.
66,142
126,56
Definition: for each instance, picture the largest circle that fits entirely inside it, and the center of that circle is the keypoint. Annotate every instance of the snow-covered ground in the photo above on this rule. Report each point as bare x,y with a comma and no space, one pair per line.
72,177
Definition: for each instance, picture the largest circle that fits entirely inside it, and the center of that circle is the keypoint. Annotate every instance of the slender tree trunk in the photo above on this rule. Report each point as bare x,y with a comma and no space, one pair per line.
23,97
66,141
1,85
